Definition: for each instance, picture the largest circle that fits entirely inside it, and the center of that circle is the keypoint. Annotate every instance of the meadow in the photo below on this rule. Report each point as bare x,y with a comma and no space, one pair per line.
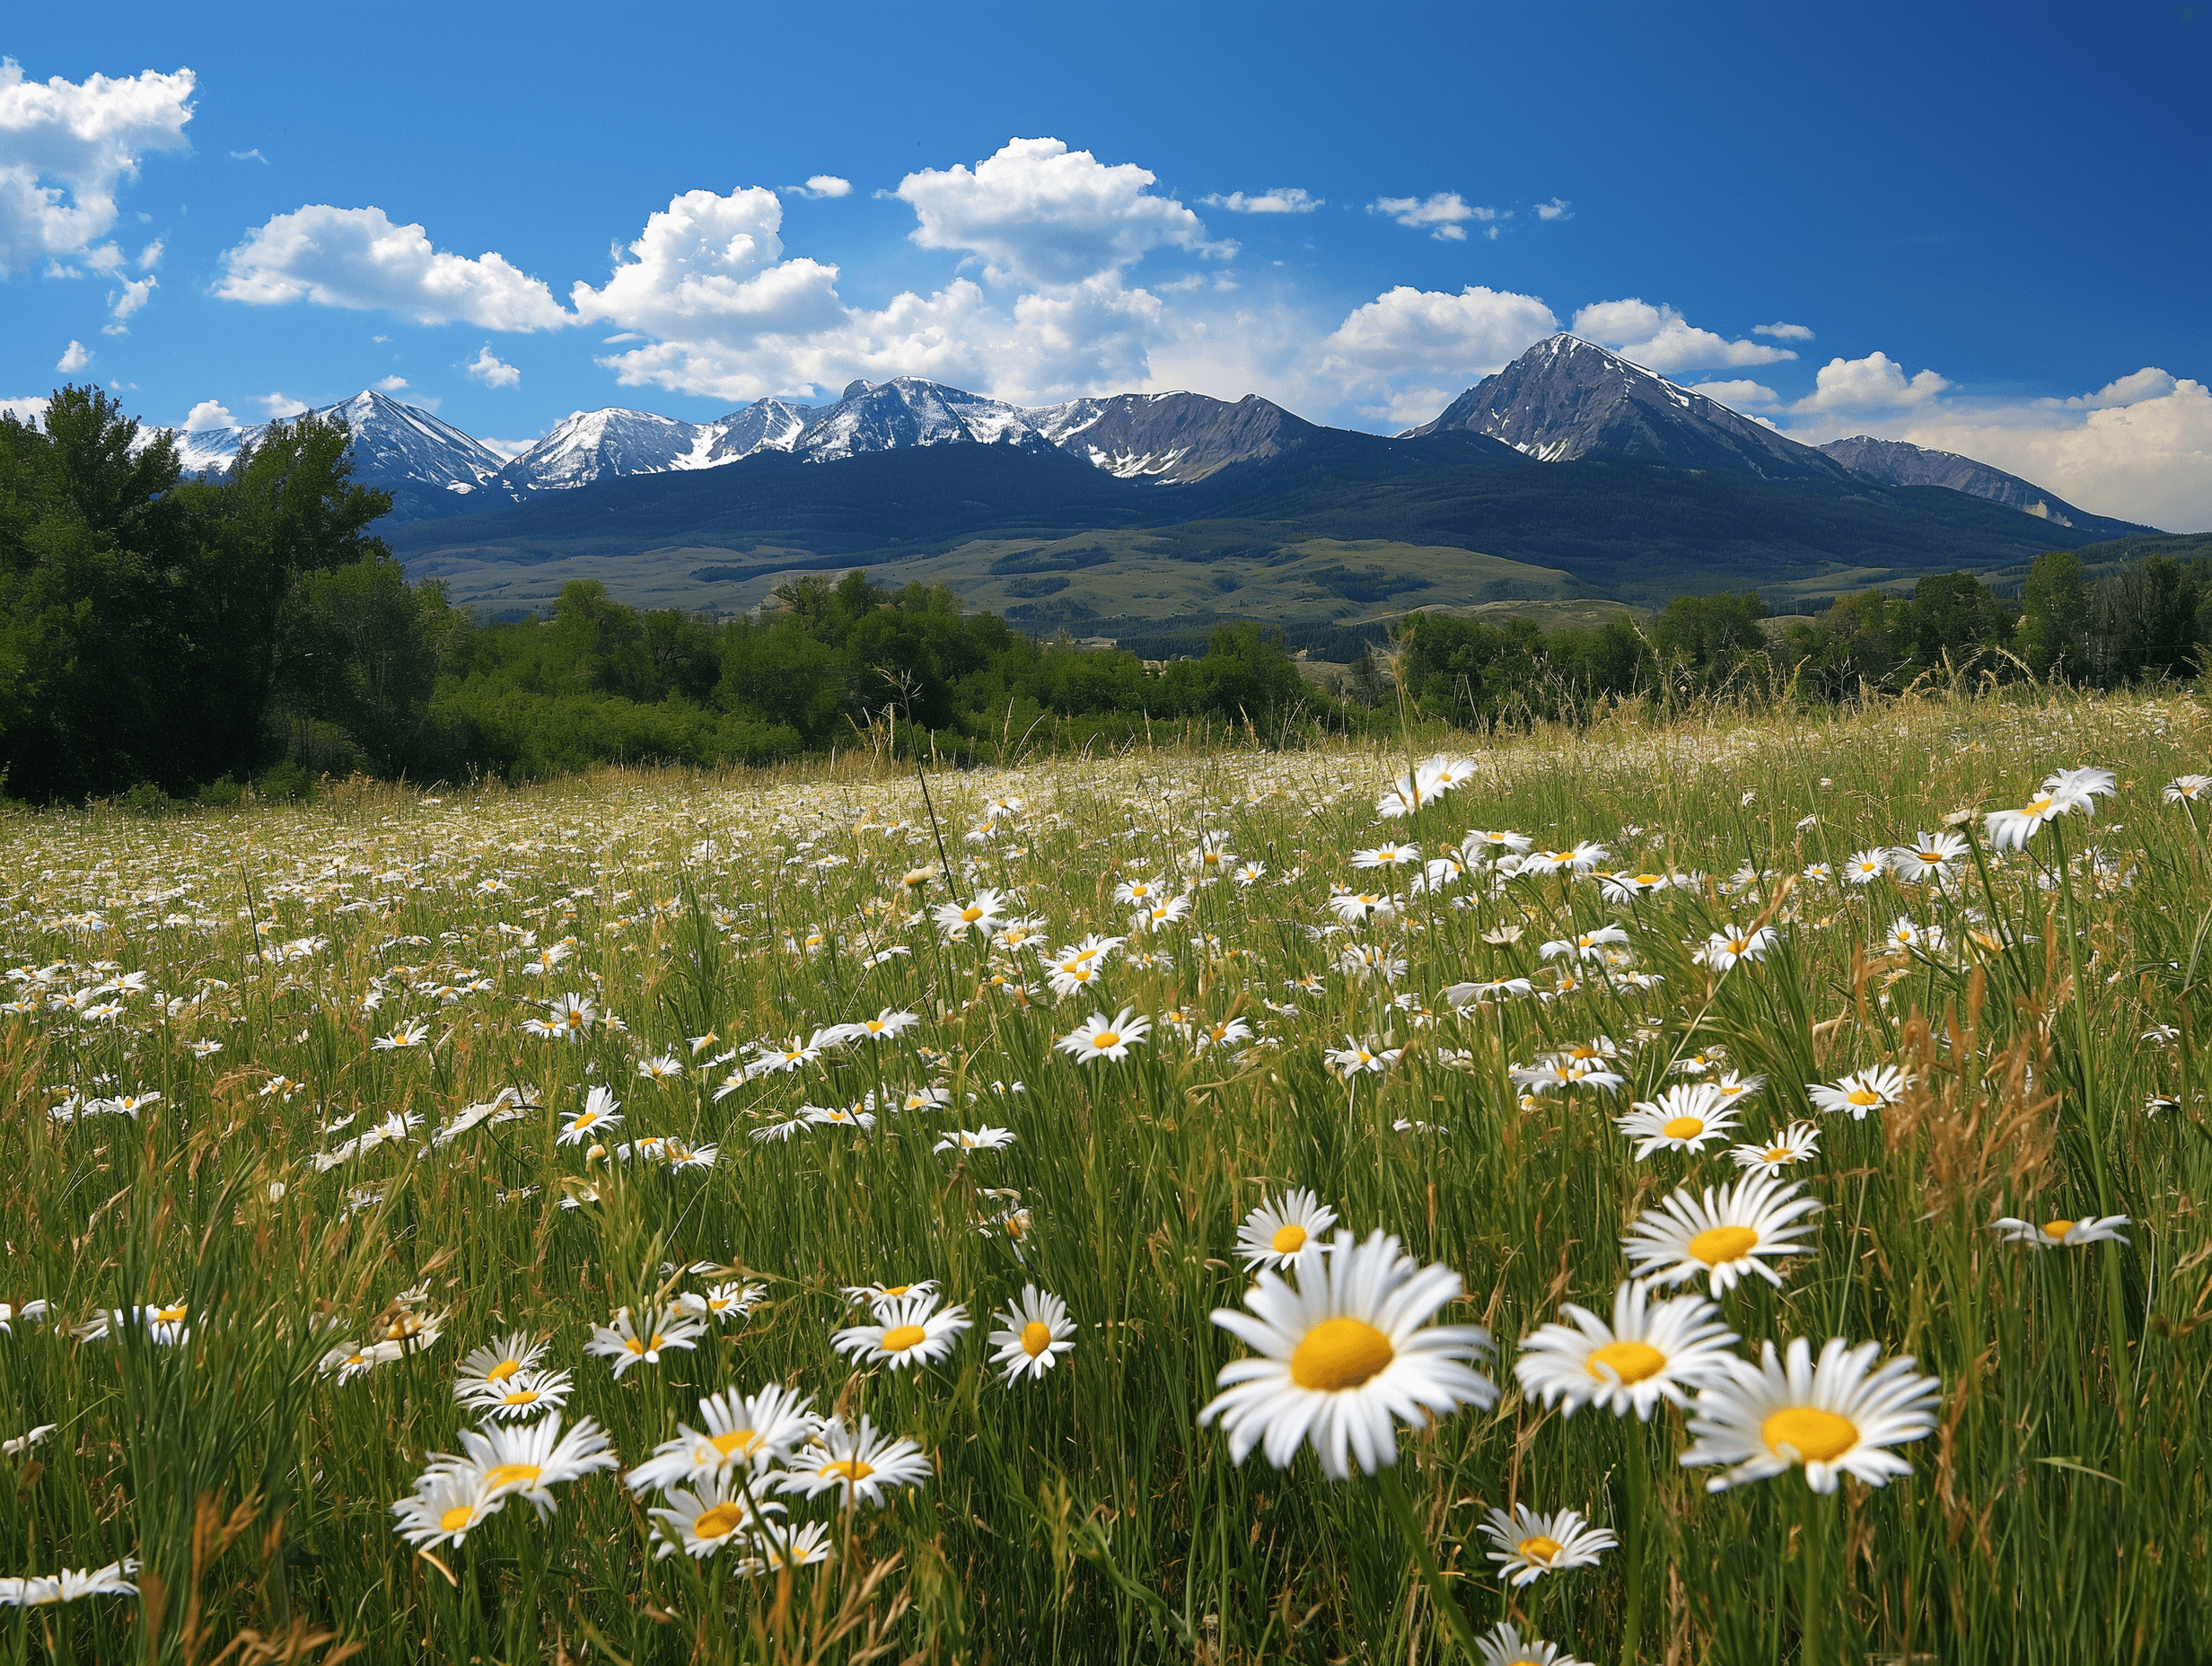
386,1180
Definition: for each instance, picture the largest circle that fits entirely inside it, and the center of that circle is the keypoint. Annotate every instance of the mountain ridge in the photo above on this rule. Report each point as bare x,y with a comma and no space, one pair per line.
1565,399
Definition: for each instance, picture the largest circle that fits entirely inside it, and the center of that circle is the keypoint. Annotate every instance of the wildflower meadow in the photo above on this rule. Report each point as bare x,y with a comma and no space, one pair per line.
1712,1189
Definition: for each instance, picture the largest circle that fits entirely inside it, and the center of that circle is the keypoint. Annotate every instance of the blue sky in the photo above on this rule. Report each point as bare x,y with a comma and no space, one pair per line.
1983,228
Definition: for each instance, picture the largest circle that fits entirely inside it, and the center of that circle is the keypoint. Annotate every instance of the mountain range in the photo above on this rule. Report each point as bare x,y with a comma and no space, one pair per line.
1593,474
432,469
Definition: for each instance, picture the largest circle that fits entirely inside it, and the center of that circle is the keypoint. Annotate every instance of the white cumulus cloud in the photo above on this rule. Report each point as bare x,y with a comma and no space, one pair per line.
208,414
1558,208
1742,395
1410,352
124,302
29,408
1876,383
2148,383
1783,332
720,309
357,258
488,370
1660,338
281,405
1279,199
1443,215
1038,213
67,147
2138,449
391,384
76,356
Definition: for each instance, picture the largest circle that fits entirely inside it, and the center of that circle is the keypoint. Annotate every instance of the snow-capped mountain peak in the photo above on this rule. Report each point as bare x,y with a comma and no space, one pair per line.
425,461
585,446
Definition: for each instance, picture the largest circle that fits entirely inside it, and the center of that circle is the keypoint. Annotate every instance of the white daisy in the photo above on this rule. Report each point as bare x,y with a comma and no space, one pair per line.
976,1139
489,1367
528,1461
1722,1236
599,1113
1100,1037
1273,1235
1735,945
1834,1417
2067,1235
876,1296
1929,856
1687,1116
624,1344
1504,1645
1866,867
1343,1356
723,1303
701,1518
70,1585
1649,1353
1875,1088
526,1395
860,1466
907,1331
1796,1143
1532,1543
774,1548
1033,1332
756,1430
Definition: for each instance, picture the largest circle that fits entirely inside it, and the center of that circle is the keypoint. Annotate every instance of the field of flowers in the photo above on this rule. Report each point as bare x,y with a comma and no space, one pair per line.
1726,1191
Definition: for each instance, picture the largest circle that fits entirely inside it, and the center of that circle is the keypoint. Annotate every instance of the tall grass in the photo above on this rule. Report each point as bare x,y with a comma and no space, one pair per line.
2057,1513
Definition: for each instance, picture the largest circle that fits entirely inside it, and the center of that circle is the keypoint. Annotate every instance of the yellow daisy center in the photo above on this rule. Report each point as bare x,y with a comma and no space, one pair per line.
1722,1243
455,1518
169,1315
1682,1127
898,1339
853,1469
1106,1038
2056,1230
718,1522
1630,1362
1036,1338
1815,1436
1340,1354
1862,1096
2041,806
1288,1239
520,1397
737,1441
1539,1550
511,1475
504,1369
971,914
1780,1154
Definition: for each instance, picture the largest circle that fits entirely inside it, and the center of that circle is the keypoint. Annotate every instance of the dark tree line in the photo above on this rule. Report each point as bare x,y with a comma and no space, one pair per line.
2150,618
172,635
149,623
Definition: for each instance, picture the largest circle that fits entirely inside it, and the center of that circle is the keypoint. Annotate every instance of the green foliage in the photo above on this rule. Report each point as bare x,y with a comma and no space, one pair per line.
285,783
2054,622
139,610
1705,631
832,662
